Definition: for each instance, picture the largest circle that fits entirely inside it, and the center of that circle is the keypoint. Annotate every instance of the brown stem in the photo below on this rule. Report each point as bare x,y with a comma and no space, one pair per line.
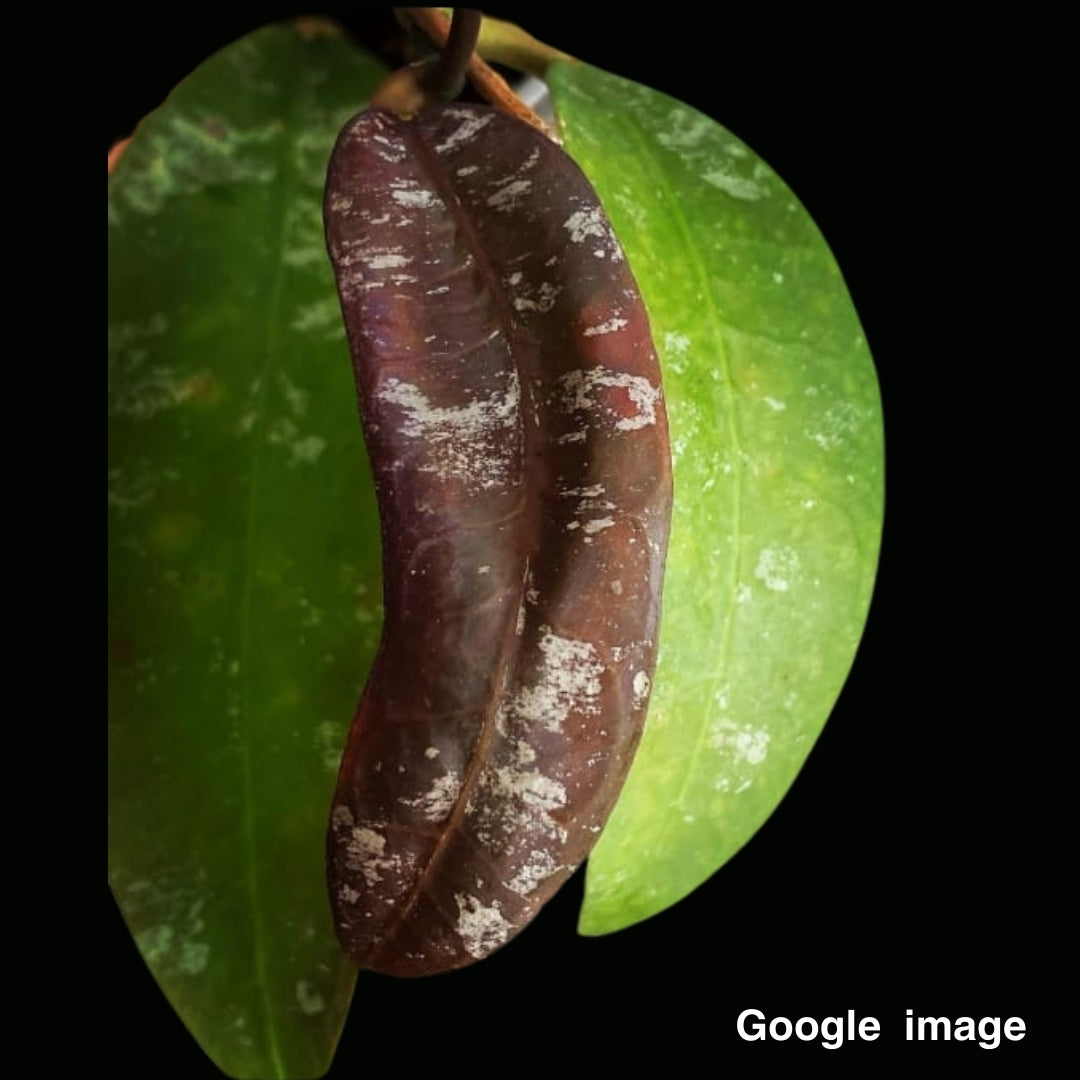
488,83
447,78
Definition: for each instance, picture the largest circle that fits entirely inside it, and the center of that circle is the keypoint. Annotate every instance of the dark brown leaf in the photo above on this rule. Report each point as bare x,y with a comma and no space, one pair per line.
511,401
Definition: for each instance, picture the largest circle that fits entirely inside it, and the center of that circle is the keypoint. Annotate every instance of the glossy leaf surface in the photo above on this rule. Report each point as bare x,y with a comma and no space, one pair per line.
777,449
512,407
243,547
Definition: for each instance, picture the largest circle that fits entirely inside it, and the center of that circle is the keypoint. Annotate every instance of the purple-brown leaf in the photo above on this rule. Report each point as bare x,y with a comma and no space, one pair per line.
511,401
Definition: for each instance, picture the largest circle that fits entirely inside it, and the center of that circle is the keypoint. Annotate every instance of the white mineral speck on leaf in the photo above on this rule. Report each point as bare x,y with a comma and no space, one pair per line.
306,451
481,929
676,342
308,998
608,327
776,567
568,680
154,942
597,524
584,223
193,958
534,871
388,260
465,132
416,199
435,803
460,439
739,187
365,853
581,387
641,688
508,195
751,746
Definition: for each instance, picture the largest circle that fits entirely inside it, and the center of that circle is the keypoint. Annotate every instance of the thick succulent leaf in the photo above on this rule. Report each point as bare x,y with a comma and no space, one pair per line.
511,402
243,547
777,451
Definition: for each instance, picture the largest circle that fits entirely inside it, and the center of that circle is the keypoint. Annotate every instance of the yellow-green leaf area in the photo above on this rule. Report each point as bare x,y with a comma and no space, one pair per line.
777,445
244,584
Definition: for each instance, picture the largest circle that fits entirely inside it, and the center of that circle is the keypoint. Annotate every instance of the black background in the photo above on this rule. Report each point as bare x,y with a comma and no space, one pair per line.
908,866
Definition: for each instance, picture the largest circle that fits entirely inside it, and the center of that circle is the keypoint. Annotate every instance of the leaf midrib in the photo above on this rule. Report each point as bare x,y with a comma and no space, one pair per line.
271,353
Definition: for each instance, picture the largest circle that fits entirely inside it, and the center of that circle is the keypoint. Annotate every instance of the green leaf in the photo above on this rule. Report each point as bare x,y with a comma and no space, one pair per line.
243,547
778,466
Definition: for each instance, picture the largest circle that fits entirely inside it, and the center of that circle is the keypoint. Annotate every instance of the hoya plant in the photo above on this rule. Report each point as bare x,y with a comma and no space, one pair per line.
260,551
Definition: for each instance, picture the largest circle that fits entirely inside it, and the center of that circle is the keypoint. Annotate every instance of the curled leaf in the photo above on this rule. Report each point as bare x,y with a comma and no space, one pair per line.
512,406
